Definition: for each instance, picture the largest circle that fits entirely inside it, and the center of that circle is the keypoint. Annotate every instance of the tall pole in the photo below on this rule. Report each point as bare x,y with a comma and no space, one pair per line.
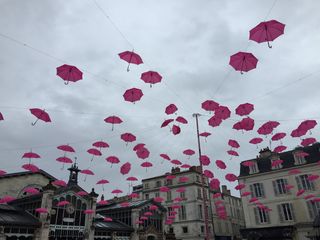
204,193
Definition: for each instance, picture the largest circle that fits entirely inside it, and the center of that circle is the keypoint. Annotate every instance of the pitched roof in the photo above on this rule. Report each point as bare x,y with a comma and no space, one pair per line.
17,174
114,225
132,204
13,216
264,163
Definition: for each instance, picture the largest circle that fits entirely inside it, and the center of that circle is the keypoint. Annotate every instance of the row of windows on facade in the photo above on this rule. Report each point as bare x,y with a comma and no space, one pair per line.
185,229
166,182
182,194
217,226
286,212
298,160
280,186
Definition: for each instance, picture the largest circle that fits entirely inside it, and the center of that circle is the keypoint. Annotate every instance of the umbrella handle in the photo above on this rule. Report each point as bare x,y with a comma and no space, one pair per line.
269,45
34,123
66,82
128,68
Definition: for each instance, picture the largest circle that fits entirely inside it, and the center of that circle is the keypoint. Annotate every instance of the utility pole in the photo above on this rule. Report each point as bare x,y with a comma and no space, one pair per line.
204,192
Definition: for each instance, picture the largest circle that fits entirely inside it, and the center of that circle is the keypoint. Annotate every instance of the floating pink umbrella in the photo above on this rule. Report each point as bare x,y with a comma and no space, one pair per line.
59,183
102,202
100,144
176,162
82,193
170,177
185,166
124,204
133,195
113,160
62,203
220,164
132,179
86,172
158,199
64,160
222,112
313,177
138,146
298,133
88,211
294,172
31,190
243,61
210,105
268,127
102,182
146,165
302,154
280,149
278,136
245,194
165,157
256,140
205,160
176,130
300,192
178,199
153,207
164,189
208,173
148,214
1,117
214,184
130,57
248,163
113,120
125,168
308,141
30,167
267,32
69,73
151,77
41,210
116,191
143,218
205,134
240,186
231,177
183,179
244,109
232,153
128,137
2,172
181,120
276,163
216,195
254,199
167,122
233,143
307,125
214,121
143,153
309,196
40,114
94,152
246,124
133,95
171,108
66,148
189,152
30,155
181,189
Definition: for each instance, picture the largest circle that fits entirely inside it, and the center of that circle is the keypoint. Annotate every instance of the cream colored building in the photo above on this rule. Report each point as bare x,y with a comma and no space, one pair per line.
274,210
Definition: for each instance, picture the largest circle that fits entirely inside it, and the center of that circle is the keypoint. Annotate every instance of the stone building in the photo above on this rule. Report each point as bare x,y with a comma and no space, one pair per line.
284,199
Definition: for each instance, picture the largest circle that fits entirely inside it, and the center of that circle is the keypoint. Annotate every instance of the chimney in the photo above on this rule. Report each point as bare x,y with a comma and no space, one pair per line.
224,189
175,170
265,152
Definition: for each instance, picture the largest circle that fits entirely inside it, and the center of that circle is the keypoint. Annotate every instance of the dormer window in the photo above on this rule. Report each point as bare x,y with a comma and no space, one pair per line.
299,158
253,168
276,162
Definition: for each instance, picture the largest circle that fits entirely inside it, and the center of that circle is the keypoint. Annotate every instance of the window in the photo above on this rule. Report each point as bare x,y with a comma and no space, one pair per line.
257,190
169,181
170,211
202,229
261,215
182,213
219,227
226,226
279,186
278,165
253,168
171,230
299,159
286,212
198,178
304,183
199,193
157,194
313,208
146,185
183,195
169,196
158,184
200,211
146,196
185,229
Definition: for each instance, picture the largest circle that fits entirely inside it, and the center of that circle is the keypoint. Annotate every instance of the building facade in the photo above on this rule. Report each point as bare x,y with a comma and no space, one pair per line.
281,197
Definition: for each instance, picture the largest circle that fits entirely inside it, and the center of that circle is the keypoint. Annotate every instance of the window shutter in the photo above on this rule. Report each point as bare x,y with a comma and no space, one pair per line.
299,182
280,213
286,183
275,188
253,194
267,216
310,209
255,210
262,190
292,211
312,185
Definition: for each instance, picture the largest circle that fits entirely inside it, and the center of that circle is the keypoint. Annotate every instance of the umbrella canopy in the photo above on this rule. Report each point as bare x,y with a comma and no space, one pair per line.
113,160
133,95
308,141
2,172
298,133
278,136
113,120
94,152
176,162
7,199
87,172
130,57
138,146
189,152
143,153
233,143
42,210
88,211
231,177
244,109
214,121
146,164
59,183
100,144
214,184
220,164
164,189
132,179
204,134
205,160
30,155
116,191
151,77
40,114
125,168
222,112
165,156
102,181
62,203
64,160
185,166
208,173
69,73
30,167
128,137
243,61
1,117
176,130
256,140
209,105
266,31
280,149
166,122
181,120
307,125
66,148
31,190
171,108
232,153
82,193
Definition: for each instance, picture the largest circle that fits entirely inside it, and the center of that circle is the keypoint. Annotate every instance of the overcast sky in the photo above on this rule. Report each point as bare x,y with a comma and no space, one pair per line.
188,42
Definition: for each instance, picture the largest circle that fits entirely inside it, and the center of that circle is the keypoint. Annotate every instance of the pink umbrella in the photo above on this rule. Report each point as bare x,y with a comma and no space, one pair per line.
216,195
232,153
88,211
309,196
40,114
214,121
164,189
243,61
153,207
144,218
133,195
205,160
69,73
146,165
1,117
128,137
313,177
276,163
167,122
151,77
132,179
308,141
59,183
148,214
64,160
254,199
124,204
214,184
165,156
208,173
116,191
158,199
278,136
205,134
171,108
31,190
244,109
176,130
62,203
233,143
30,167
125,168
143,153
248,163
86,172
240,186
181,120
244,194
178,199
133,95
268,127
210,105
189,152
247,124
185,166
2,172
41,210
102,182
30,155
280,149
113,120
138,146
176,162
113,160
222,112
302,154
298,132
102,202
82,193
231,177
66,148
100,144
256,140
307,125
170,177
181,189
266,31
183,179
300,192
294,172
130,57
94,152
220,164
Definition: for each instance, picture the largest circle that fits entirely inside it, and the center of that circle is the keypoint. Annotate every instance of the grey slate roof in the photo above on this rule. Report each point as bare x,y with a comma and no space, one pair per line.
13,216
42,172
132,204
111,226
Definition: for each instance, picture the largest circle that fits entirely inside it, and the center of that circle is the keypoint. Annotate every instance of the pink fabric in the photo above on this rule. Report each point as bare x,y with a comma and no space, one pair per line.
233,143
266,31
181,120
138,146
143,153
64,160
102,181
243,61
176,162
66,148
167,122
171,108
222,112
244,109
100,144
176,130
204,134
208,173
40,114
151,77
128,137
278,136
214,121
220,164
210,105
133,95
308,141
189,152
146,164
256,140
94,152
69,73
205,160
62,203
280,149
87,172
59,183
232,153
125,168
165,156
131,57
231,177
30,155
31,167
